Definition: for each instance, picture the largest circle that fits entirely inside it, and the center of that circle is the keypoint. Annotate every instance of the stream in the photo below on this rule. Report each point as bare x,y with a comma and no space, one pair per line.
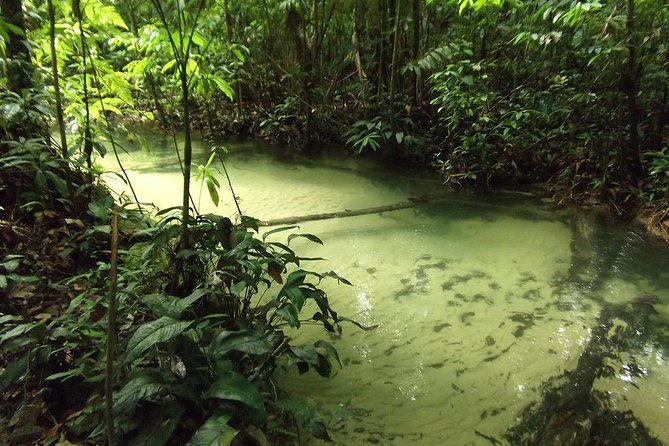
481,301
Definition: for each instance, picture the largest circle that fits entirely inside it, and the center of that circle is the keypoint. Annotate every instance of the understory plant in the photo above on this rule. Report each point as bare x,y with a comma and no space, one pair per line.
202,366
196,367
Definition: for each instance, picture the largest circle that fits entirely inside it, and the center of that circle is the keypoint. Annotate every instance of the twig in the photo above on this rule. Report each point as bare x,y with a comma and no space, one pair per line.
111,332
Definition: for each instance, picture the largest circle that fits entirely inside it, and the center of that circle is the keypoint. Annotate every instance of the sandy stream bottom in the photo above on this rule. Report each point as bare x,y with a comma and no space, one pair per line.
470,318
470,325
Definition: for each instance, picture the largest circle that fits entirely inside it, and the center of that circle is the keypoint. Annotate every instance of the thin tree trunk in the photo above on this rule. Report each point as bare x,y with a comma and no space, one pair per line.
56,81
228,29
382,40
416,48
88,139
358,14
19,66
111,333
188,153
631,84
393,64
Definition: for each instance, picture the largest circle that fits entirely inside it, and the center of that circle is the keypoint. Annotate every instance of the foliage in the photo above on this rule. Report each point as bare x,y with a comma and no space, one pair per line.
187,364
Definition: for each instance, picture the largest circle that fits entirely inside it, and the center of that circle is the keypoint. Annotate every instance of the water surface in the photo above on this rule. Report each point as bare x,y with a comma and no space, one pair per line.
479,300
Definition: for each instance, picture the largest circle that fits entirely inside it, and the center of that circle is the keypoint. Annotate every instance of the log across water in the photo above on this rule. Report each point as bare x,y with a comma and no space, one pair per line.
410,203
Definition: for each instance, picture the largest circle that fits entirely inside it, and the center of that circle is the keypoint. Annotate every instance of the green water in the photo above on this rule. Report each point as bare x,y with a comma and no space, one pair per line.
478,299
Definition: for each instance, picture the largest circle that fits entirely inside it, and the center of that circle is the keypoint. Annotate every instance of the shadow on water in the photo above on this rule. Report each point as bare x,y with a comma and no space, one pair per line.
572,411
603,249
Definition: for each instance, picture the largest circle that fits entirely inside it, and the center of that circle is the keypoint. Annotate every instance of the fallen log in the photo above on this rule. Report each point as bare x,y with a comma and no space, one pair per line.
412,202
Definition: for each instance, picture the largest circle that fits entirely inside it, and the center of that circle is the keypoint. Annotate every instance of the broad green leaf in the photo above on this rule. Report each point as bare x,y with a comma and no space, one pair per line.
246,341
159,425
212,187
295,295
223,86
214,432
168,66
166,305
11,265
199,40
329,349
191,298
23,329
8,318
296,278
305,353
163,305
152,333
237,388
238,54
13,371
142,387
237,288
289,314
192,67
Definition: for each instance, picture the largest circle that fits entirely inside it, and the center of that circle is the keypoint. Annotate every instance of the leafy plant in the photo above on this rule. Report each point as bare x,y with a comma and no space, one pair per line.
211,355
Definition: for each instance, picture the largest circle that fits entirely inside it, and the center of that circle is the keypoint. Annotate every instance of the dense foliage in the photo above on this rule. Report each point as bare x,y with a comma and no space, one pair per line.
574,94
163,330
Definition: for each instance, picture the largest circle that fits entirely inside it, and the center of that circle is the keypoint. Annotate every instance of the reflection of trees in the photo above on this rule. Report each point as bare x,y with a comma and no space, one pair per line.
571,411
602,250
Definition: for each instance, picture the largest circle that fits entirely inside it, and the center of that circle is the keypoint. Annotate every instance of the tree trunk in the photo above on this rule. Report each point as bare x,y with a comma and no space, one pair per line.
358,15
184,243
381,47
416,48
631,85
88,138
393,65
228,29
56,82
19,66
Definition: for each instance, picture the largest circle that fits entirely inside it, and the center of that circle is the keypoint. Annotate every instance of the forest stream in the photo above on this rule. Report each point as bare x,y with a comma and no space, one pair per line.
500,318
